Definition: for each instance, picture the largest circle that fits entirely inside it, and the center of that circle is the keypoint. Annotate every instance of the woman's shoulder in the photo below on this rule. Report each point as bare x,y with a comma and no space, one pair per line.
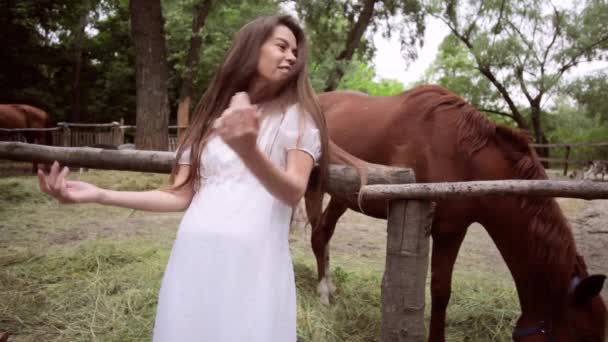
298,119
296,110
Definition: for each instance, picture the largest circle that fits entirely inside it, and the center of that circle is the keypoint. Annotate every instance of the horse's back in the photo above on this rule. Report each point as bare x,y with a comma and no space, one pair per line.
11,116
36,117
428,129
402,129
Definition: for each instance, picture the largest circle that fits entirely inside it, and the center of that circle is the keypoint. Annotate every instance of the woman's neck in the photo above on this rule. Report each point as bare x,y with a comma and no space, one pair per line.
262,91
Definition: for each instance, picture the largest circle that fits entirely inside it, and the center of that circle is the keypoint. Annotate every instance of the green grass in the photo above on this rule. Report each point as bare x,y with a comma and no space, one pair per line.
61,282
99,290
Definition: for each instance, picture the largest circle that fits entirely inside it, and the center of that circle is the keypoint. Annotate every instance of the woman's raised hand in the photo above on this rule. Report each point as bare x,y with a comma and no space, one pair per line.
55,184
239,124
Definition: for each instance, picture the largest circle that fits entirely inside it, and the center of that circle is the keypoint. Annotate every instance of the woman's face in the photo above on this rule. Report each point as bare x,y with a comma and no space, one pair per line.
277,56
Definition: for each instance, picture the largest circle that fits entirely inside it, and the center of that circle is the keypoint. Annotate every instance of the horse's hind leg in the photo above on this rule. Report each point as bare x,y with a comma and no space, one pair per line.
30,138
447,239
320,245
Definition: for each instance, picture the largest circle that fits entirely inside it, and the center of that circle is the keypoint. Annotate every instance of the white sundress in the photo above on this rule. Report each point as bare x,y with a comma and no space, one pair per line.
230,276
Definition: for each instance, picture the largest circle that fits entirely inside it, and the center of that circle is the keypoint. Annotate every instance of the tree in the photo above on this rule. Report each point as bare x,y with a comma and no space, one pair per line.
111,65
201,11
32,53
360,77
570,122
337,30
590,93
525,47
222,21
151,74
455,69
79,36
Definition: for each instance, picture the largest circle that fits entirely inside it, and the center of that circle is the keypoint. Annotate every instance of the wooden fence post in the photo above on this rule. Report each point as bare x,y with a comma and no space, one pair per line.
66,136
404,281
566,160
117,134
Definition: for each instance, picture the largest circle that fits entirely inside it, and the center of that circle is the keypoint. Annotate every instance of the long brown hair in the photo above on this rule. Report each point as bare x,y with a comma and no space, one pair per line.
235,74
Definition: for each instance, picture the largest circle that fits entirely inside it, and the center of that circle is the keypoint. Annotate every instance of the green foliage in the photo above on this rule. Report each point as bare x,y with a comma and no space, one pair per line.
360,77
110,75
590,94
523,48
328,24
38,63
30,53
567,123
455,69
225,18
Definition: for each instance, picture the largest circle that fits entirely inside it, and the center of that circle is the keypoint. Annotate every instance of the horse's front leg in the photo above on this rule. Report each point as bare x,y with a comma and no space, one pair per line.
447,239
320,245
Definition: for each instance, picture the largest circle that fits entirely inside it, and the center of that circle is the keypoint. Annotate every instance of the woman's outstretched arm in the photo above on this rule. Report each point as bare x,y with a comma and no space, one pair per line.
55,183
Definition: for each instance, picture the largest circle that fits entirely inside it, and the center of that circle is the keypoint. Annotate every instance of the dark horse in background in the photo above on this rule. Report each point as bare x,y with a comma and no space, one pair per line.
445,139
25,116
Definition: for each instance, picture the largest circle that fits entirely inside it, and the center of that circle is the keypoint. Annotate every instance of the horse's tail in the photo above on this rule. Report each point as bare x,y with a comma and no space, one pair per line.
340,156
337,156
43,120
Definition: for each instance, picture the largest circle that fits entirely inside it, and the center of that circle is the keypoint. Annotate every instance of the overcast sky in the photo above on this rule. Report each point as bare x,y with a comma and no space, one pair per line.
390,64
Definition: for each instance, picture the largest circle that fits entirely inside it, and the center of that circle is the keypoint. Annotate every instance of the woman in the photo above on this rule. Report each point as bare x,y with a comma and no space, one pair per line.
245,162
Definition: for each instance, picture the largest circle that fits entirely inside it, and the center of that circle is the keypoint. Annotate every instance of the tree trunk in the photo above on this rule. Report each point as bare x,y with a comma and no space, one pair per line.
79,35
516,114
539,133
151,75
352,42
201,11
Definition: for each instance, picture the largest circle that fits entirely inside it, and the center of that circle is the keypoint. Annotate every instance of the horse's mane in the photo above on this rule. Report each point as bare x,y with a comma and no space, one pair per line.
550,242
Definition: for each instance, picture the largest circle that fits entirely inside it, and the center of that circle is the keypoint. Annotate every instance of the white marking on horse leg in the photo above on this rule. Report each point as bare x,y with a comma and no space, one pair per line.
330,284
324,291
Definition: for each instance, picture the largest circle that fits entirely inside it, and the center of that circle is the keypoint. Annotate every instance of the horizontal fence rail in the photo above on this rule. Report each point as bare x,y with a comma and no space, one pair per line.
161,161
534,188
68,134
573,144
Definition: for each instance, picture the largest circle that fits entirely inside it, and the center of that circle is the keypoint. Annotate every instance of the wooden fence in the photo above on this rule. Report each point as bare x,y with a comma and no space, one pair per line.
78,135
566,160
82,134
409,218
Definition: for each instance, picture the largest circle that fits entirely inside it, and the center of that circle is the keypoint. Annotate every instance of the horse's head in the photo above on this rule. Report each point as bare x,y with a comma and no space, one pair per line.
582,317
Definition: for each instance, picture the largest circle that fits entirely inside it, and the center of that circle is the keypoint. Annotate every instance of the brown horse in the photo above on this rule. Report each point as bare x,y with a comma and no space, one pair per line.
444,139
25,116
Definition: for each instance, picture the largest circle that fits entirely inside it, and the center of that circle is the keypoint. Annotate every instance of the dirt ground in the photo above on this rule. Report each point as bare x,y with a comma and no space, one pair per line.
364,238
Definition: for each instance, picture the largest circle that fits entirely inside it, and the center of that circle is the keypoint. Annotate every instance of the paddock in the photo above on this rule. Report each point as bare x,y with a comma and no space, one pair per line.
594,234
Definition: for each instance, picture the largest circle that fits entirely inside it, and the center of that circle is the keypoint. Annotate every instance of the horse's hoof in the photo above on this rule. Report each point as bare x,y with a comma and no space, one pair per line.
4,337
323,299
